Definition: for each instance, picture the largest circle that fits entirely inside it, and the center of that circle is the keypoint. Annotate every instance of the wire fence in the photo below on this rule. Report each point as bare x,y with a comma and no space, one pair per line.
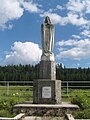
69,88
10,88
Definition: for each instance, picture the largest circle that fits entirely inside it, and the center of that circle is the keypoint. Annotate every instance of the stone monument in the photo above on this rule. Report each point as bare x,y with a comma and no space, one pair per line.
46,89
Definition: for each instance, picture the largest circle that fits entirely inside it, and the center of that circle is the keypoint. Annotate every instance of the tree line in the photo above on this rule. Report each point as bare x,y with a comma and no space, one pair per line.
17,73
29,73
72,74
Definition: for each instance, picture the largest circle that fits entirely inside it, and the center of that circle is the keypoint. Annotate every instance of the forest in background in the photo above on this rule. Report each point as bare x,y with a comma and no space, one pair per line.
29,73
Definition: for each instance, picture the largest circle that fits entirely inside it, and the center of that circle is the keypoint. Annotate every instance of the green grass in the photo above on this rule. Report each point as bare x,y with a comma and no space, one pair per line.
11,95
25,93
19,94
22,93
73,92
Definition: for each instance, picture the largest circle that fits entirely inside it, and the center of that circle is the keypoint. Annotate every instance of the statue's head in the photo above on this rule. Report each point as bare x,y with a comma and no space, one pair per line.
47,20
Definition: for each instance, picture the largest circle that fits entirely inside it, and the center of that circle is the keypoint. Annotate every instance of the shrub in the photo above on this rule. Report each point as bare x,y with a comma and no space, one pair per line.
84,114
6,106
81,100
4,113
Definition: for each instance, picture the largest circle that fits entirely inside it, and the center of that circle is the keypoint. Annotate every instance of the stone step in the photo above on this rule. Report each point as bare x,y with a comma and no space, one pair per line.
42,118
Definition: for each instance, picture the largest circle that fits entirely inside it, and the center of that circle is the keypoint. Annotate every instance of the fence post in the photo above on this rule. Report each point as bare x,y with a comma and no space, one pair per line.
67,88
7,88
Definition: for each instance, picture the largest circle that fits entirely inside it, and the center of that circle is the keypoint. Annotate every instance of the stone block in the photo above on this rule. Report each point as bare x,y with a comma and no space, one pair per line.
47,70
47,91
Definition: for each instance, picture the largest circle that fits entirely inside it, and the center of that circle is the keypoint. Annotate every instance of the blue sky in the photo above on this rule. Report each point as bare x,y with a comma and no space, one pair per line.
20,31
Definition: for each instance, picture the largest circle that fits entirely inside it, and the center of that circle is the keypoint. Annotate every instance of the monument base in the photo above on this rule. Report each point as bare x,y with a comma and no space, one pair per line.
47,91
52,110
47,70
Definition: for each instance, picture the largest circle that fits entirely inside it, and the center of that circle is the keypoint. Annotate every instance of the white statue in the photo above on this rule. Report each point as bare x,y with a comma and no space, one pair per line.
47,30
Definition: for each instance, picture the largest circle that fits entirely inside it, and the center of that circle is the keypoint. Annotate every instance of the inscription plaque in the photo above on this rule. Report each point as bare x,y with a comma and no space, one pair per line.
46,92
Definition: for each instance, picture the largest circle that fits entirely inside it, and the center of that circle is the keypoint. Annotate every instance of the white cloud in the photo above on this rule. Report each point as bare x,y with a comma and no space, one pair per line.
31,7
13,10
76,36
86,33
76,11
60,7
74,19
76,6
74,49
9,10
87,3
81,7
67,43
23,53
55,18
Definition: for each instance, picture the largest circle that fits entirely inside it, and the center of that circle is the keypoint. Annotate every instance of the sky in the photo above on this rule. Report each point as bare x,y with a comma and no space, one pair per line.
20,31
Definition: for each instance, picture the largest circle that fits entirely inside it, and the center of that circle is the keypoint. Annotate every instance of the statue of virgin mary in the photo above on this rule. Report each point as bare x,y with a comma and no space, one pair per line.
47,30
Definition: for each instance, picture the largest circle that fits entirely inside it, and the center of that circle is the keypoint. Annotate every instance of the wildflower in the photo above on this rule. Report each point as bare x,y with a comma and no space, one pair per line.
13,94
17,94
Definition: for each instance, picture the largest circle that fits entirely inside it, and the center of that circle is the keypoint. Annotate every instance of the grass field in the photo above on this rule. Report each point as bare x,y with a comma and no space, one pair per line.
72,92
22,93
25,93
10,95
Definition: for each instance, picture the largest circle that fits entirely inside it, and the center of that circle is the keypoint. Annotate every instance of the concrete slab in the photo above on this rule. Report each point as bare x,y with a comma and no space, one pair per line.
32,118
62,105
41,118
44,109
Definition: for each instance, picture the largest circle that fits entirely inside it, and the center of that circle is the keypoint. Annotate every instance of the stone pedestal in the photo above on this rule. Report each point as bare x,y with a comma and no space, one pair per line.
47,70
47,91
